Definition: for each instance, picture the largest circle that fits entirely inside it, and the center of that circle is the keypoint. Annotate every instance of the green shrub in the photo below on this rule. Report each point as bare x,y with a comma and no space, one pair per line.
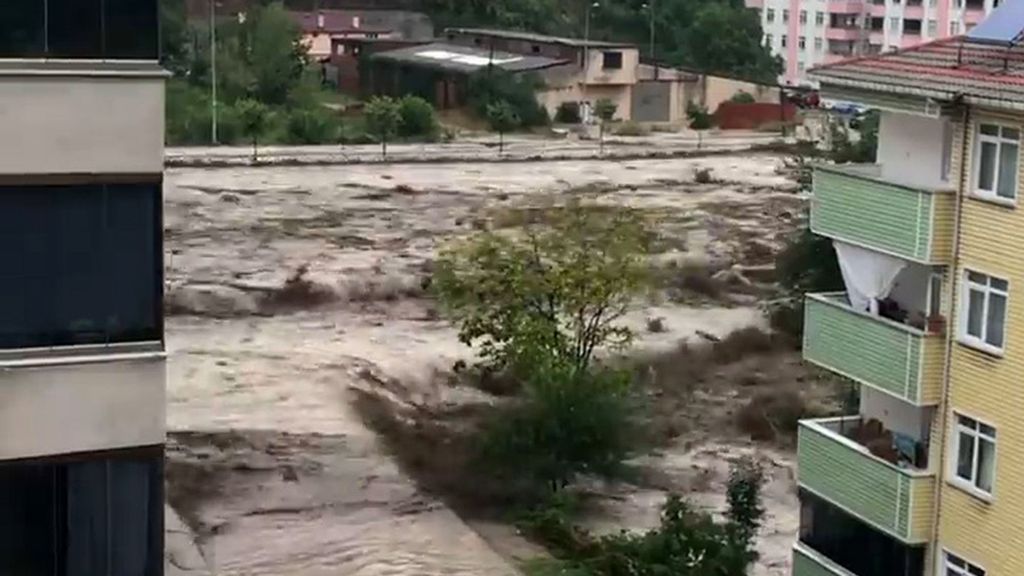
687,542
520,91
699,117
743,97
312,126
570,423
188,116
568,113
418,118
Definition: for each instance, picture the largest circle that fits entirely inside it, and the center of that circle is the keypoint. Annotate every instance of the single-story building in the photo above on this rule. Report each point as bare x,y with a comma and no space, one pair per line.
439,71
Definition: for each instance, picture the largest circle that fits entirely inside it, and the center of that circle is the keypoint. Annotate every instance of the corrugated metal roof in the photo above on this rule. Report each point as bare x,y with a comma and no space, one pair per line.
538,38
943,69
464,58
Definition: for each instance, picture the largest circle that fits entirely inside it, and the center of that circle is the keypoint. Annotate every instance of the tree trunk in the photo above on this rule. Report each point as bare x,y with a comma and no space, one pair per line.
501,142
384,147
255,150
601,139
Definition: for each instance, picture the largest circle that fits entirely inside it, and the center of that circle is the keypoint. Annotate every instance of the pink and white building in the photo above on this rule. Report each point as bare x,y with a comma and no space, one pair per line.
806,33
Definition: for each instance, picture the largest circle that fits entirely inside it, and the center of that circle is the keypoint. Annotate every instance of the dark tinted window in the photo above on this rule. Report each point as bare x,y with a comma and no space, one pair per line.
113,29
612,60
22,28
75,28
82,518
853,544
130,29
82,264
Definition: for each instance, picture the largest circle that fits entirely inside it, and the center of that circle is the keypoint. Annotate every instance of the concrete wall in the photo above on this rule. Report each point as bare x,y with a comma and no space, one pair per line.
911,149
627,74
81,407
81,124
895,414
652,101
717,89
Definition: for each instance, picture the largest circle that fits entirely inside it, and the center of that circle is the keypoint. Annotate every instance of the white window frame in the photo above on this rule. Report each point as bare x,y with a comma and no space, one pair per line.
819,18
998,141
801,42
975,341
934,293
803,16
965,567
769,15
971,485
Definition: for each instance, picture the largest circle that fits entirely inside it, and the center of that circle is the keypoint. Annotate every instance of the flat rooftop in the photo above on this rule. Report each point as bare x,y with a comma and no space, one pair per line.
538,38
465,59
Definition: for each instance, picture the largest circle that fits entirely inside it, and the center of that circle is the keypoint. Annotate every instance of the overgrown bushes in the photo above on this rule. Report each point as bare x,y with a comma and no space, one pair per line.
568,113
520,91
418,118
687,542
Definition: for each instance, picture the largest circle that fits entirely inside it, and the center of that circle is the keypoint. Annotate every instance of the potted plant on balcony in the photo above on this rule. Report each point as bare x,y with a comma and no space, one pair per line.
936,324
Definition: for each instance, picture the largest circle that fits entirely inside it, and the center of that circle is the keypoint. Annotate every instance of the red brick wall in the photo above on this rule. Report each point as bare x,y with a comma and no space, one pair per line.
733,116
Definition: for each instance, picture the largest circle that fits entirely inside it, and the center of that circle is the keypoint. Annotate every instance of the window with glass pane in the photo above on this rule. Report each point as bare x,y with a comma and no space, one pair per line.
956,566
80,29
83,517
998,152
934,295
983,320
130,29
83,265
975,453
22,29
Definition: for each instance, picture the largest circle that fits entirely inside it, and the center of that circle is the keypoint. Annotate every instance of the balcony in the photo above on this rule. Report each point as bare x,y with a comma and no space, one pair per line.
895,498
854,204
808,562
834,33
896,358
845,6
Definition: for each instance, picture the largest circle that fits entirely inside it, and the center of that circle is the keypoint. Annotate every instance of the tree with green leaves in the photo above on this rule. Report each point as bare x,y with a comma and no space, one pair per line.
275,53
383,118
727,38
559,288
605,111
254,116
502,118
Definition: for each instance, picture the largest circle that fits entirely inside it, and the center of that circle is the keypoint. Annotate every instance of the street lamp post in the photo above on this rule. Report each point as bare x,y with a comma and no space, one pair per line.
649,6
586,58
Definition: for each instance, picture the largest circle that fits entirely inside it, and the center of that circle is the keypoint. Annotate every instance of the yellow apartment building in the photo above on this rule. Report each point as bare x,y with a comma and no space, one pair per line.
927,477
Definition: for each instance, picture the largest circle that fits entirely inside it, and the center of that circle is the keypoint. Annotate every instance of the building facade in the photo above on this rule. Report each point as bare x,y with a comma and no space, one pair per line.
924,475
808,33
81,274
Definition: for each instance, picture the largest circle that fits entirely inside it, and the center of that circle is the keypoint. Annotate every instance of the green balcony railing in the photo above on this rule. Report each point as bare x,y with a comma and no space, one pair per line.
853,204
877,352
894,499
808,562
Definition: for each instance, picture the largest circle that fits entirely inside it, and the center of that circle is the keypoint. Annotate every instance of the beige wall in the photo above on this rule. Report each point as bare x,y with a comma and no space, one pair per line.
81,407
81,124
596,73
564,84
713,90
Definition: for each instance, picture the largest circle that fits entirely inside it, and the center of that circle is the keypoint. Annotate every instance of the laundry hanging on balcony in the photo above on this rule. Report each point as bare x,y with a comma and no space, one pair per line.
868,276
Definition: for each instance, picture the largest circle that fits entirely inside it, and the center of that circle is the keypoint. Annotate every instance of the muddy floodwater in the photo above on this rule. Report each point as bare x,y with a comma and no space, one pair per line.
269,462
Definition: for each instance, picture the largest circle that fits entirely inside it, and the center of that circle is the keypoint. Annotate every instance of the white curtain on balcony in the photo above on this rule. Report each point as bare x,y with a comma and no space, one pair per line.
869,276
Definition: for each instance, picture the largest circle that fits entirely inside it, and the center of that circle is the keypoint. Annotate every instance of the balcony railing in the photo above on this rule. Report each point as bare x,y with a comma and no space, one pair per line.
854,204
875,351
897,499
808,562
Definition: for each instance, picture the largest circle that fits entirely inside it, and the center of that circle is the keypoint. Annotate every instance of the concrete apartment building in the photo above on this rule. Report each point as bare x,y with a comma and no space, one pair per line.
925,475
807,33
81,273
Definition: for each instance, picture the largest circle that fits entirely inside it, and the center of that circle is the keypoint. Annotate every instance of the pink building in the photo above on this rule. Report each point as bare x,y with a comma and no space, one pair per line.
805,33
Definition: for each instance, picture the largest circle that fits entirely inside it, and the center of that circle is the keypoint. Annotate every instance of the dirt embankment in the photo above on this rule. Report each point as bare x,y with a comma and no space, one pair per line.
299,313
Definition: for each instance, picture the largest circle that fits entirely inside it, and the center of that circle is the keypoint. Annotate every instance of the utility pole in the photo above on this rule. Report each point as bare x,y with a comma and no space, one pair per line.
213,71
653,58
586,59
